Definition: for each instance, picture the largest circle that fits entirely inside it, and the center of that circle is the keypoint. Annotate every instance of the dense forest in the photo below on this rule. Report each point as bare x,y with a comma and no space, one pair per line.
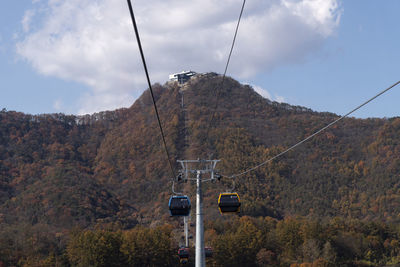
93,190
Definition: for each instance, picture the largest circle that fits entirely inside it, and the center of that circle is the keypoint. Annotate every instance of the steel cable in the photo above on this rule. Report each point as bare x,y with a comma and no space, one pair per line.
219,88
150,87
312,135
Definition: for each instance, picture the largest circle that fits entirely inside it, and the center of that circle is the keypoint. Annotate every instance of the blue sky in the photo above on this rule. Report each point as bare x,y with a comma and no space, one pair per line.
328,55
361,59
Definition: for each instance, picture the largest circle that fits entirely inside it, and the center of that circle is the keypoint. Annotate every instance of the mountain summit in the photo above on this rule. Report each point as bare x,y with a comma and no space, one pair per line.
60,171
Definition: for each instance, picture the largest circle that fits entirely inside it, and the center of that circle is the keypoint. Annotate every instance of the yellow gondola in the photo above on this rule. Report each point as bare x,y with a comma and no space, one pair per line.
229,203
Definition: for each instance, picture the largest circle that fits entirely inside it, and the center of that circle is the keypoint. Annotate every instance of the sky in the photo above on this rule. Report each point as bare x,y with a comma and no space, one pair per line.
81,56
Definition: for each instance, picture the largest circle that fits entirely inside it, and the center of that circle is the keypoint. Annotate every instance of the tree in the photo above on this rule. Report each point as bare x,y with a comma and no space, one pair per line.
289,235
148,247
97,248
240,247
266,258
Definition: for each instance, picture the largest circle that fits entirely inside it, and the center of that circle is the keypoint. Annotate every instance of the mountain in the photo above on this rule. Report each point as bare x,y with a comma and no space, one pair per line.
59,172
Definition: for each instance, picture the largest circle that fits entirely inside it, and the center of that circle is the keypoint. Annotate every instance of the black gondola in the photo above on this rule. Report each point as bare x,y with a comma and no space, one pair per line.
179,206
229,203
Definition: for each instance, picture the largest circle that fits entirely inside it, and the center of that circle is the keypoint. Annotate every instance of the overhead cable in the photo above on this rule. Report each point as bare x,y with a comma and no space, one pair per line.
150,87
218,89
311,136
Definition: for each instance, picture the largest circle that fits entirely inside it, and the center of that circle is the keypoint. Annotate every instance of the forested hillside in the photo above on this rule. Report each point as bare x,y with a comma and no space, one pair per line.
62,176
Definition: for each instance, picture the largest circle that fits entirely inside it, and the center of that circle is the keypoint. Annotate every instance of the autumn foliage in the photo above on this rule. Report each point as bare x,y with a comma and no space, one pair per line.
104,180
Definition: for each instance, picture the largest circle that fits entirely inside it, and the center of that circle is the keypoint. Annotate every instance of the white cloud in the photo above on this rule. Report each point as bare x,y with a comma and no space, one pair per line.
266,94
27,19
91,102
58,105
92,41
262,92
322,15
279,99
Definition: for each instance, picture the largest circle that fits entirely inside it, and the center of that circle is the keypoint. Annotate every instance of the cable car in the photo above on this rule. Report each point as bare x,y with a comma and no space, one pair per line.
209,252
179,206
183,254
229,203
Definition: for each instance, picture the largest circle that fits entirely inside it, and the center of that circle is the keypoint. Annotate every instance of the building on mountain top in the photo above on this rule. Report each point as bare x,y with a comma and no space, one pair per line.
182,77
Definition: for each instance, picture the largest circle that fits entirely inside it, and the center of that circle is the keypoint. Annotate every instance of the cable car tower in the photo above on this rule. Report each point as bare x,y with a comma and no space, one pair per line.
197,174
